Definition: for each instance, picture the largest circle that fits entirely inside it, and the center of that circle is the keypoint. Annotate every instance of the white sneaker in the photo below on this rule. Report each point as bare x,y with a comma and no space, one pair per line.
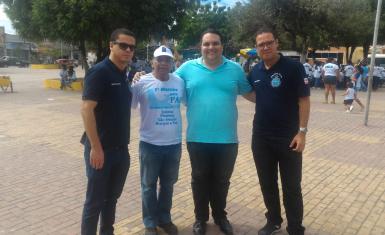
347,111
351,107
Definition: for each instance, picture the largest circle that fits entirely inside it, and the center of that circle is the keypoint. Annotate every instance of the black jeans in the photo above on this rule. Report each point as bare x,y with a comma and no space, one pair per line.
212,166
104,187
269,153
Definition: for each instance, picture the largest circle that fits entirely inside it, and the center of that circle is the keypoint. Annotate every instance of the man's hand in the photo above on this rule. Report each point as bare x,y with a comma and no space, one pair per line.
298,142
137,75
97,158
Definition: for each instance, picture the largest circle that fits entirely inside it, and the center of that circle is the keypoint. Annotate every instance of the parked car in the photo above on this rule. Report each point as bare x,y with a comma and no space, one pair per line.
6,61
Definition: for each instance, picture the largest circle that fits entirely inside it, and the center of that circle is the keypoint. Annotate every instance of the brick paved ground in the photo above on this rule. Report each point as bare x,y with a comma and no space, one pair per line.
42,171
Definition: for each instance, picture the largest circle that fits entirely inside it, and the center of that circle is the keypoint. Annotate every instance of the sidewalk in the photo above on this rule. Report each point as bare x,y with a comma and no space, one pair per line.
43,178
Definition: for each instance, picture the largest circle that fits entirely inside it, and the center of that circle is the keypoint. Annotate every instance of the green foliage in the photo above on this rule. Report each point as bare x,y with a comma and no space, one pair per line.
301,24
199,18
91,21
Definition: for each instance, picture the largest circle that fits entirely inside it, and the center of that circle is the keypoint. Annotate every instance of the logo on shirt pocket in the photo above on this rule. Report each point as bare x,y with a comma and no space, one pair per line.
115,84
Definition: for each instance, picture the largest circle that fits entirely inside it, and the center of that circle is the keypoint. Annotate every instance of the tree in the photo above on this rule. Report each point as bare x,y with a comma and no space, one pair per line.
300,23
90,22
199,18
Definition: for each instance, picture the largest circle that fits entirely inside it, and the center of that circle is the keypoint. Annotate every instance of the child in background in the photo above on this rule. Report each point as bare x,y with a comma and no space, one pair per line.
350,96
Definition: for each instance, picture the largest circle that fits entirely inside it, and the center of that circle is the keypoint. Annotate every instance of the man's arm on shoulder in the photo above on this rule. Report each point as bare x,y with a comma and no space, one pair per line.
89,121
250,96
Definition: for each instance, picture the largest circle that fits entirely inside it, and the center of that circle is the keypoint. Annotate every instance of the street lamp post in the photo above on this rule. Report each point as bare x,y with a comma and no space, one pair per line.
373,58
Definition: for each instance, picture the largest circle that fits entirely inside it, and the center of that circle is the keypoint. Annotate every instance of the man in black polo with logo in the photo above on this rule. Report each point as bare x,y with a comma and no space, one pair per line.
106,117
279,130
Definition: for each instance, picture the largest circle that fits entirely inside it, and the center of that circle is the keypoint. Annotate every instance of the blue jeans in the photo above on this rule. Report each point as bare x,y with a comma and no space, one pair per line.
211,168
158,162
104,187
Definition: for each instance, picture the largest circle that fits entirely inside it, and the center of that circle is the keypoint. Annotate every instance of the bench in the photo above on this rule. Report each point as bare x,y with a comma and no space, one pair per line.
5,83
55,83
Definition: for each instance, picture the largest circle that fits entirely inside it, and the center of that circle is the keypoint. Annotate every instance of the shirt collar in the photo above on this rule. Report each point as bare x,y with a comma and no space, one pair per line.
261,65
110,64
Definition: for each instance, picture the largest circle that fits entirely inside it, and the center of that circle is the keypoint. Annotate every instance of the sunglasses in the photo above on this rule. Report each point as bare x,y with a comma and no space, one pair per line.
123,46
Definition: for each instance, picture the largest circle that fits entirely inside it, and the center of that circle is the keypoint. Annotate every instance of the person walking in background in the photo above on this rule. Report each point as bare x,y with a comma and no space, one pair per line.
309,72
317,69
282,112
350,96
106,117
348,72
63,76
356,81
159,95
330,74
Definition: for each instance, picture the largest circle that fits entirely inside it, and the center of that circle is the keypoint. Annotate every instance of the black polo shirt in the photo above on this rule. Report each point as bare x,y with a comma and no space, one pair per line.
277,93
109,86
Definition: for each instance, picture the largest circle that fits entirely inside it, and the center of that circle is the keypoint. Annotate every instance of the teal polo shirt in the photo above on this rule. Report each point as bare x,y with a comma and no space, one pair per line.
211,100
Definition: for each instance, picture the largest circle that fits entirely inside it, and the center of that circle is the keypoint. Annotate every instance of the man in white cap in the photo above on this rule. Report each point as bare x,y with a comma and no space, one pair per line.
159,95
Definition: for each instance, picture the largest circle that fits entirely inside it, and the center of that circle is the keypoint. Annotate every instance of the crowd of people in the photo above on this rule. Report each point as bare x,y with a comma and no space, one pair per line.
357,74
209,87
350,78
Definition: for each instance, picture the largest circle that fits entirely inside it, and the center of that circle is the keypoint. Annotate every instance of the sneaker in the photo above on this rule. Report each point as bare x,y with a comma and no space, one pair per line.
150,231
269,229
225,226
347,111
199,227
351,107
169,228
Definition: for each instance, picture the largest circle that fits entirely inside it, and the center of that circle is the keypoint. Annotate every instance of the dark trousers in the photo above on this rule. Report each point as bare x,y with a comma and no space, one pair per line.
212,166
104,187
269,154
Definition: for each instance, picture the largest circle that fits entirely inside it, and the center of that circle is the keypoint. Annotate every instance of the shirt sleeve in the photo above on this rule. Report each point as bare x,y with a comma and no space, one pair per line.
94,84
180,71
243,83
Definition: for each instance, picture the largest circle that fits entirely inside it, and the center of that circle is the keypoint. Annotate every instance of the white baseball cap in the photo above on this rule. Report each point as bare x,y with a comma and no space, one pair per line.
163,51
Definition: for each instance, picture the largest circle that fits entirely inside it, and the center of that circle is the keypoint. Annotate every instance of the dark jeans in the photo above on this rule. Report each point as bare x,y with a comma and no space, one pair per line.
158,162
104,187
269,153
212,166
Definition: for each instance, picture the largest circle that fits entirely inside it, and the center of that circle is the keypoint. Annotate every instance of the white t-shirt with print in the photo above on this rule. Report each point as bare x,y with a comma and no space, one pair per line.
159,102
349,70
350,94
308,69
330,69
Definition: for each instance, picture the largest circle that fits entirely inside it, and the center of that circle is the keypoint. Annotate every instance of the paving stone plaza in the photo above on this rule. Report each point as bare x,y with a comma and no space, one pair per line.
42,173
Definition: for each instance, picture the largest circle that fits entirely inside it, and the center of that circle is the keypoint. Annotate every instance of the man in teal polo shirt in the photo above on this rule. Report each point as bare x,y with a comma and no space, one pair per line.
212,85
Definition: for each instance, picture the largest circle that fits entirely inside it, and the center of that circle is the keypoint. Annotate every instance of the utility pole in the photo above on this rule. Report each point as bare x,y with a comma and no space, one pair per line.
372,60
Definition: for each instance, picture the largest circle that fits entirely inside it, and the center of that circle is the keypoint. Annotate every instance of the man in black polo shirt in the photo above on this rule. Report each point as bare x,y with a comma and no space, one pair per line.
279,130
106,117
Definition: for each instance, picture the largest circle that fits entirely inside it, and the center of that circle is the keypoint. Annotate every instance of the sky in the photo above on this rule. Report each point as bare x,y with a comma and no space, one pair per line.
4,20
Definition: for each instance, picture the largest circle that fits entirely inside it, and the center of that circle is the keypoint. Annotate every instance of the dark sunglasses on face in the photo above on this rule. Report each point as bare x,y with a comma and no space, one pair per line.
123,46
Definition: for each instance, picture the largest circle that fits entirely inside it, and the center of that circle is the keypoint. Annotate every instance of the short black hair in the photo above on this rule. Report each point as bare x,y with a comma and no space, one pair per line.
266,29
213,31
115,34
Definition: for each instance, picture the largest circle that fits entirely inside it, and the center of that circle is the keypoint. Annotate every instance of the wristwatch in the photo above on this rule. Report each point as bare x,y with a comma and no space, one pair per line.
303,129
